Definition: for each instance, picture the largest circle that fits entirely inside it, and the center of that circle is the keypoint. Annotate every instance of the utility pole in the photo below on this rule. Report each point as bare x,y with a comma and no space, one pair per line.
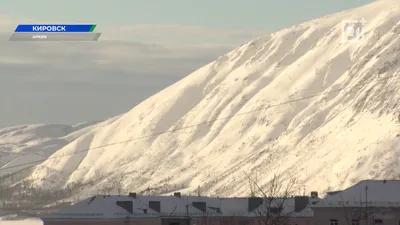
187,214
366,205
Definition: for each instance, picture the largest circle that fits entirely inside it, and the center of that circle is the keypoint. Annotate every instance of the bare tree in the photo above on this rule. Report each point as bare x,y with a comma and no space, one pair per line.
117,183
253,186
353,211
173,211
357,210
275,196
205,219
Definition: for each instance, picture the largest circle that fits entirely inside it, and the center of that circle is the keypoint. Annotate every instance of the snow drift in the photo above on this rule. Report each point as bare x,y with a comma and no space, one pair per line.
297,102
22,222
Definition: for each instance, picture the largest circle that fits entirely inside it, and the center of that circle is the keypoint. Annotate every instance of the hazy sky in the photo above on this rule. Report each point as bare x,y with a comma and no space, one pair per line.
74,82
259,14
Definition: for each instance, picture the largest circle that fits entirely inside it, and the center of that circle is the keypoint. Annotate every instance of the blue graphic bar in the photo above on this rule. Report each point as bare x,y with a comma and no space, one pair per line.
55,28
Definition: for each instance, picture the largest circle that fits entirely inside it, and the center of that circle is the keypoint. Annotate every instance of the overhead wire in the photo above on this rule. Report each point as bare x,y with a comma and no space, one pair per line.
199,124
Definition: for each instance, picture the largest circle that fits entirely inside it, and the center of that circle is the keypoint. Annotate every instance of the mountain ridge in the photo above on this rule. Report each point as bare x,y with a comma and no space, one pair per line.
323,140
26,145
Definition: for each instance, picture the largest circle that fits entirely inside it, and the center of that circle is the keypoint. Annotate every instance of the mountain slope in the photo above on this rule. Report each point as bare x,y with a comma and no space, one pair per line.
297,102
31,143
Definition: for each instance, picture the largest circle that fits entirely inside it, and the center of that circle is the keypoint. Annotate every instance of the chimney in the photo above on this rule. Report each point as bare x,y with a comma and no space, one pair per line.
300,202
314,194
132,194
177,194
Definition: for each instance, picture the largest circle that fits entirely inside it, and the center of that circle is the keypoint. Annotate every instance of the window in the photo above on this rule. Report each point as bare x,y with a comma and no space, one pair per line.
355,222
275,210
333,222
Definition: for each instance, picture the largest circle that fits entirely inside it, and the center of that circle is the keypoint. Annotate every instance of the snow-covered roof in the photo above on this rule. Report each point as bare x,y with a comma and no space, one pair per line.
107,207
375,192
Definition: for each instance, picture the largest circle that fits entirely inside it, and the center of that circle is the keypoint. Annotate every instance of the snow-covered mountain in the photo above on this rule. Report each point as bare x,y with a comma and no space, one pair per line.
29,145
297,102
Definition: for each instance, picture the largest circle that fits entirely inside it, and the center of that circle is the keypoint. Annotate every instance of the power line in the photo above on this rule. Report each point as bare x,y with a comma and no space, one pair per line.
202,123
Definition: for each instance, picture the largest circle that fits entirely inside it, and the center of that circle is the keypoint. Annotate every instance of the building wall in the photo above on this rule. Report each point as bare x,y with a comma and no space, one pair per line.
193,221
344,215
155,221
301,221
244,221
175,221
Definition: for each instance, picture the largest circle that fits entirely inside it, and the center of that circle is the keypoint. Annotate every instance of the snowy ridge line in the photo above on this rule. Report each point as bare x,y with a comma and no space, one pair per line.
32,142
205,122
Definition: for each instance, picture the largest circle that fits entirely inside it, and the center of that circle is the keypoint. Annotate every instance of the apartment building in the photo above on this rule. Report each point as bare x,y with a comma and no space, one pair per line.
181,210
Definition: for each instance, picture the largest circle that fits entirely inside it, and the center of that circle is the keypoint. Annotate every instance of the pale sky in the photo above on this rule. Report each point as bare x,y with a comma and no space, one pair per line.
73,82
258,14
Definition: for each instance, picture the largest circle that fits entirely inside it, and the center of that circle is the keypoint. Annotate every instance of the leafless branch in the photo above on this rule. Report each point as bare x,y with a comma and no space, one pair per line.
356,211
173,210
205,219
275,195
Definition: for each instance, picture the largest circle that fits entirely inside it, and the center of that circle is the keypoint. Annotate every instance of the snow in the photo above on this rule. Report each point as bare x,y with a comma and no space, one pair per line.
34,143
21,222
251,111
379,193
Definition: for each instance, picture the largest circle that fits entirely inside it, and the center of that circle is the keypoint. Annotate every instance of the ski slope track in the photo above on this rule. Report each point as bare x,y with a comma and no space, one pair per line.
297,102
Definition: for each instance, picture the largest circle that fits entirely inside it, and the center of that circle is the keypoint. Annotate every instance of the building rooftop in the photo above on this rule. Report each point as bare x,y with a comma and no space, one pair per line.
375,192
174,206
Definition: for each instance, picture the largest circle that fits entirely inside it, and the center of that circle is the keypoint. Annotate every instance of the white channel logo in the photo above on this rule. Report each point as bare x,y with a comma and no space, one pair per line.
353,30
